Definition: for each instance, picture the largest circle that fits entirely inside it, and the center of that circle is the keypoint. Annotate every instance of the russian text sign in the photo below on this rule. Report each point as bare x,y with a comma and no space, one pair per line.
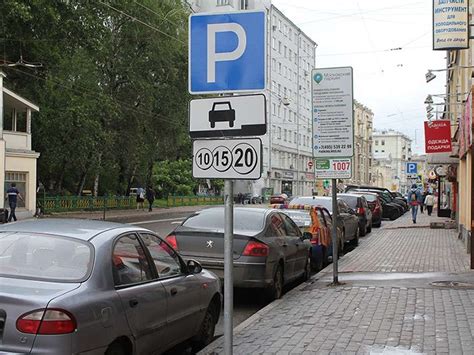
438,136
333,168
450,24
333,121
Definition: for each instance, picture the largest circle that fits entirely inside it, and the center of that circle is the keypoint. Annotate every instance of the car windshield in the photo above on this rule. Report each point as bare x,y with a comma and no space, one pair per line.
44,257
301,218
325,202
246,221
350,200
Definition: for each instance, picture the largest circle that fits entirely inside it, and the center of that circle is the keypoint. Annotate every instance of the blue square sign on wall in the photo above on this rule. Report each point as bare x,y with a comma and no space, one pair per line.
412,168
227,52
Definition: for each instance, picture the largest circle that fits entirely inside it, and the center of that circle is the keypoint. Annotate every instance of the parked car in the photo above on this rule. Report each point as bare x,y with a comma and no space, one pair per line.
269,249
375,206
250,198
359,204
348,221
279,199
389,196
319,224
390,210
78,286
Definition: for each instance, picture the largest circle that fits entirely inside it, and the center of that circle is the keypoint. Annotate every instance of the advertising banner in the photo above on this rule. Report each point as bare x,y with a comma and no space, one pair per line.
438,136
450,24
333,168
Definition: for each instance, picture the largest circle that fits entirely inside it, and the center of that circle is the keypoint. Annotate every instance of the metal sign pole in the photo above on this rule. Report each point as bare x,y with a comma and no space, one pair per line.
334,232
228,265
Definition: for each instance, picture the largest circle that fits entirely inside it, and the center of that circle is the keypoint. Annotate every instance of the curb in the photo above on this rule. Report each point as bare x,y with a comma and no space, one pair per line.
254,318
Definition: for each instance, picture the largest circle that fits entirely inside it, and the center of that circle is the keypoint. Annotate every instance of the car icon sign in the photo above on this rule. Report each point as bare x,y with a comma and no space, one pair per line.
227,115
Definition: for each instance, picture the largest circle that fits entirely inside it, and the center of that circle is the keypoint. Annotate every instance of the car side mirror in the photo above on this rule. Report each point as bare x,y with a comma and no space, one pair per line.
307,236
193,266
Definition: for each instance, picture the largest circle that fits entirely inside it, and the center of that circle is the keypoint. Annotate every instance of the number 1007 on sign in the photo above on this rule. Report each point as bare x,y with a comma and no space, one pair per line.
227,159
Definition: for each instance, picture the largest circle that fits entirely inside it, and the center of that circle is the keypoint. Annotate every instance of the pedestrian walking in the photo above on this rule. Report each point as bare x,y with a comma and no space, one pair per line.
140,197
13,194
422,203
414,198
429,202
150,196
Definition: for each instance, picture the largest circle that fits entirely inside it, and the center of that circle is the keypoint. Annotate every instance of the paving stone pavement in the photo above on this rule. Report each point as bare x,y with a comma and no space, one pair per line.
386,305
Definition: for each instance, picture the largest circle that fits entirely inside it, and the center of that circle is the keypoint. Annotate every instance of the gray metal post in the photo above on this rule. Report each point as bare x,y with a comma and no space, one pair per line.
334,232
228,265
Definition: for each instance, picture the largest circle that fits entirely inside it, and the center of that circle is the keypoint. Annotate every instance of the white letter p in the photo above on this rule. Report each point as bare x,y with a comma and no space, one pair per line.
213,57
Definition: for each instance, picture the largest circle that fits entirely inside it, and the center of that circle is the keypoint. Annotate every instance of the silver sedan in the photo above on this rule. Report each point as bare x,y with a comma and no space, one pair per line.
90,287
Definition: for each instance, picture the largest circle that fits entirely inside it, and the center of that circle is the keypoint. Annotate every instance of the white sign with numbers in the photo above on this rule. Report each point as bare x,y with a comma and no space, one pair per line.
227,159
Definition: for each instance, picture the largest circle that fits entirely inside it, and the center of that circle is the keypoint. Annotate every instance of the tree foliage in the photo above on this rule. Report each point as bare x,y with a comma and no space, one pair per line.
112,88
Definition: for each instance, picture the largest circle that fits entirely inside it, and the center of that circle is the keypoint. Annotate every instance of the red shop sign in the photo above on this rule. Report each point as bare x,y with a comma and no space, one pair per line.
438,136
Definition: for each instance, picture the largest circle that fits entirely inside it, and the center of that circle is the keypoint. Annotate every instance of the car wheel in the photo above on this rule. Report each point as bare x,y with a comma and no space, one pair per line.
363,230
307,268
340,249
369,228
116,348
378,225
276,290
394,215
206,331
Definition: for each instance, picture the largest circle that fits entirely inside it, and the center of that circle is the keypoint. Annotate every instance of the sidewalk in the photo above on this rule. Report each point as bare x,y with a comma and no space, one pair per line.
390,301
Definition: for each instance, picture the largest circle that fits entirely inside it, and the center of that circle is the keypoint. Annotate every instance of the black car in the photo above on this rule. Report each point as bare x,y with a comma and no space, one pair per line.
390,197
359,204
390,210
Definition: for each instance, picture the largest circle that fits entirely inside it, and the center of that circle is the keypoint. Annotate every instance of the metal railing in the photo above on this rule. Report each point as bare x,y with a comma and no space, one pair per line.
89,203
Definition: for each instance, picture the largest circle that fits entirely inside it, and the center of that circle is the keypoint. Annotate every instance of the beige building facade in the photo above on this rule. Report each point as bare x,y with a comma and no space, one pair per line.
363,157
17,158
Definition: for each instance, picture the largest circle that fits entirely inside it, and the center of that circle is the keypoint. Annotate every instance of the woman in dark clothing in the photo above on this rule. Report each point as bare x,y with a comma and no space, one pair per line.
150,196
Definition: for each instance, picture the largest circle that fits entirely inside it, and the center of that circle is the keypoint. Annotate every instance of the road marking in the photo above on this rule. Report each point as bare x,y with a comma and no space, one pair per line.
159,220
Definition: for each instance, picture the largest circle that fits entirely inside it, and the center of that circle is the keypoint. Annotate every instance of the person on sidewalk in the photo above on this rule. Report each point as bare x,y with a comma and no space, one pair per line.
429,202
414,198
422,202
13,194
140,198
150,196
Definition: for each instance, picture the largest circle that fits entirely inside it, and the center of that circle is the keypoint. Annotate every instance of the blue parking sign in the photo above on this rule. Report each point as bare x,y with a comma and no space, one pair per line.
227,52
412,168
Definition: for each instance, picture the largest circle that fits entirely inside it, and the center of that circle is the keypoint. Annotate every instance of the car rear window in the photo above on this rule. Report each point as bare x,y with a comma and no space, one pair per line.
44,257
370,198
301,218
350,200
325,202
247,222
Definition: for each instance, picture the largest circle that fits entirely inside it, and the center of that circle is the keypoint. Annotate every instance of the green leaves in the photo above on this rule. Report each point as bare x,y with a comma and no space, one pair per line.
112,91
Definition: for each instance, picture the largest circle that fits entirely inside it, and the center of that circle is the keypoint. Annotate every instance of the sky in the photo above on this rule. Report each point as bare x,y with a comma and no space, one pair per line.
389,45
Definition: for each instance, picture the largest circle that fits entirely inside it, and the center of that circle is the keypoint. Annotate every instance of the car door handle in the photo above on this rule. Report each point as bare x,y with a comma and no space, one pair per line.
173,291
133,302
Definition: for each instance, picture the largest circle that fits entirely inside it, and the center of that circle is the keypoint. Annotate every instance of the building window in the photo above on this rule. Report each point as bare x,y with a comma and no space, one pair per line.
274,108
290,54
244,4
279,47
223,2
273,43
274,64
8,116
376,142
382,142
279,133
20,179
279,25
279,68
285,132
295,138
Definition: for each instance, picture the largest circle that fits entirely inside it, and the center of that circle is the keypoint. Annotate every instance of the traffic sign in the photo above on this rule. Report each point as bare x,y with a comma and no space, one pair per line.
333,168
243,115
227,52
227,159
310,164
412,168
332,98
